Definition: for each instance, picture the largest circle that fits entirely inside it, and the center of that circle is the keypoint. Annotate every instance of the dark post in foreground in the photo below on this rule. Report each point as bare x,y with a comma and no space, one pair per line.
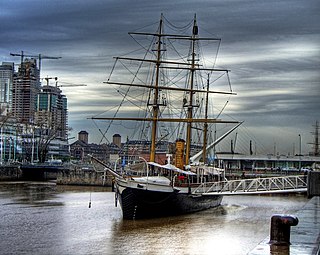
280,228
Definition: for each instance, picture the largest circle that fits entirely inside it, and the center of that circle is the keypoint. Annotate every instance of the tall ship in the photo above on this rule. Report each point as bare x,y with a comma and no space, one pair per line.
166,96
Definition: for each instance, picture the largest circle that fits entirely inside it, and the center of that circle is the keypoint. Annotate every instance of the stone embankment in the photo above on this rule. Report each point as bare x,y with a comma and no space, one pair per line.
10,173
68,176
84,177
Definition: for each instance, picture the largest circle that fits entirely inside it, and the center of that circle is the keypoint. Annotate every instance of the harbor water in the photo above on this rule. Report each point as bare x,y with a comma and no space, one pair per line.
43,218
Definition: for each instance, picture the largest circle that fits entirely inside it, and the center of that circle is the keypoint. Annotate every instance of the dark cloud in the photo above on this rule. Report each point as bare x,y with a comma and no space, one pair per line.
272,48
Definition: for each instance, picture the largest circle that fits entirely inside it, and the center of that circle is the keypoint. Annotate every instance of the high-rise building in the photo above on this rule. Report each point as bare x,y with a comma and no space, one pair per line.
26,86
6,81
51,111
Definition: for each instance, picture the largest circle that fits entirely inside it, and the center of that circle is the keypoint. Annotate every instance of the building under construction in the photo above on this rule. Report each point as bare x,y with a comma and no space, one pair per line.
26,86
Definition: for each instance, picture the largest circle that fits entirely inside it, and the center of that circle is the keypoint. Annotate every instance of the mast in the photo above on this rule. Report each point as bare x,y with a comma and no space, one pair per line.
205,128
155,106
316,139
315,142
190,106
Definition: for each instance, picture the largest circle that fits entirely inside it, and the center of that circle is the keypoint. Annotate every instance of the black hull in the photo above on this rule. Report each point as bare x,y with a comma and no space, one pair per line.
141,204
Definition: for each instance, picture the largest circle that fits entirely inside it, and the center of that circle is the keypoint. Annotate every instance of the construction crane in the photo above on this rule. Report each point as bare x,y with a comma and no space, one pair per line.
40,57
63,85
49,78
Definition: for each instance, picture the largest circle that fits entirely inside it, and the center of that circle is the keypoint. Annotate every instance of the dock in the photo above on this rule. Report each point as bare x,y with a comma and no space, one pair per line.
256,186
305,237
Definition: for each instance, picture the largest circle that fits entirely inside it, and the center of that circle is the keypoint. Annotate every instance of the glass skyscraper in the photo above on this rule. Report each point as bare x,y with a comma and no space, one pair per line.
6,81
51,110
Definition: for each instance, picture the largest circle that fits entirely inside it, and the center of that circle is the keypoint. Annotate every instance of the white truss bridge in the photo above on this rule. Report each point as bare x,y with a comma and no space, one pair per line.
283,184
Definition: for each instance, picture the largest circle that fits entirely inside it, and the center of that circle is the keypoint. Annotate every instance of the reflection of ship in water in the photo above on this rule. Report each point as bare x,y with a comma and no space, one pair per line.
177,91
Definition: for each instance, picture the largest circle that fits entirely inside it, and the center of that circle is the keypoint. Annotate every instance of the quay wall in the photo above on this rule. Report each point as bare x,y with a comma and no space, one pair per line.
304,238
85,178
313,184
10,173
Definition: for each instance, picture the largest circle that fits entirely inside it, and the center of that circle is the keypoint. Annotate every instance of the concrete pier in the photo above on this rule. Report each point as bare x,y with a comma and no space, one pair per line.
10,173
80,177
305,237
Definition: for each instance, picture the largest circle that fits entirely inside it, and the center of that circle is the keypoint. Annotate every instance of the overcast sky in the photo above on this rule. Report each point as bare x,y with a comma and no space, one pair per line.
271,47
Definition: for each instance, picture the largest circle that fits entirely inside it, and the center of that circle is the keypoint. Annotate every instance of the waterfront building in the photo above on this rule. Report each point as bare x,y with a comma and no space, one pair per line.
6,81
254,163
10,141
132,148
80,149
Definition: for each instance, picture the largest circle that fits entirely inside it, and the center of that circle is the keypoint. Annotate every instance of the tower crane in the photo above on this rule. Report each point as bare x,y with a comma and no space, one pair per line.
49,78
40,57
63,85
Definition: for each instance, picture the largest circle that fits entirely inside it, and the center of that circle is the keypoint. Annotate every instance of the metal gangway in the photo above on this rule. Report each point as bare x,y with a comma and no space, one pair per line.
283,184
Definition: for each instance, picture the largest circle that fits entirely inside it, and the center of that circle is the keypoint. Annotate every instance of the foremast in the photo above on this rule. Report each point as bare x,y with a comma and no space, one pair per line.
155,106
190,106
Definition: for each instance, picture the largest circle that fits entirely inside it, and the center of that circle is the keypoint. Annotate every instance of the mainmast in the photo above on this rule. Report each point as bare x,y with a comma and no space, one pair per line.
155,106
190,106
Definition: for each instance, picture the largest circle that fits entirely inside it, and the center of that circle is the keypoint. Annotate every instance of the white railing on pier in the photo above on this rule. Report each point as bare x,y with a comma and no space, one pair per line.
283,184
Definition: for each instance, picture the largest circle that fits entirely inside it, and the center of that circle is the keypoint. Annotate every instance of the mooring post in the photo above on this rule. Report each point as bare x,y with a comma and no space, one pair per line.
280,228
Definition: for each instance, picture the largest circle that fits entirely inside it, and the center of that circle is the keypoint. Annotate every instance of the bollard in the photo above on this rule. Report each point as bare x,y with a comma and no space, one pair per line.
280,228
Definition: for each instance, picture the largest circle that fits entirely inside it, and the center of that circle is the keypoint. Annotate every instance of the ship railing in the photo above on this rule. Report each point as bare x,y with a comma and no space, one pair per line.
283,183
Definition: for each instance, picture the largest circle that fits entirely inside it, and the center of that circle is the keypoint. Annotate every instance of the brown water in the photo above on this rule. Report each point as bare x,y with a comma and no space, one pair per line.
42,218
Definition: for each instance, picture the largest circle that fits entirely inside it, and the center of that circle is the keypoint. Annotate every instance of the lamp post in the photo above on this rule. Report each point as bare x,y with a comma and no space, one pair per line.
299,152
69,147
10,148
32,148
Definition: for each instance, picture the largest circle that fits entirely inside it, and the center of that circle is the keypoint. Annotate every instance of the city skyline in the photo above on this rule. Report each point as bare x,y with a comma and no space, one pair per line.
270,47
